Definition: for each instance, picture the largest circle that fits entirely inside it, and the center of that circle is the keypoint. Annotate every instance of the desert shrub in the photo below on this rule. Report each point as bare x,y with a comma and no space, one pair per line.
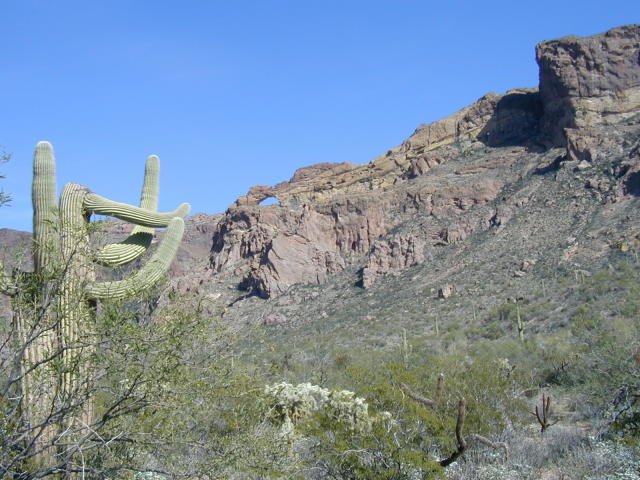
386,451
341,360
606,372
563,452
170,400
597,361
418,437
201,415
339,435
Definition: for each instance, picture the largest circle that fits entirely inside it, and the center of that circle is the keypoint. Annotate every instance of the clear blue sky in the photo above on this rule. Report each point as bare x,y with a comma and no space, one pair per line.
234,94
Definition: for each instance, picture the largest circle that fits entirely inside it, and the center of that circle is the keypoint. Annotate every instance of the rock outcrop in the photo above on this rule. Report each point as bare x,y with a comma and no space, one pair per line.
332,215
393,255
589,81
274,247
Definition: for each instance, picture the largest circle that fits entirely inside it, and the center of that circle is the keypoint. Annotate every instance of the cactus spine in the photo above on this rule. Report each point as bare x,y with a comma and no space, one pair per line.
64,272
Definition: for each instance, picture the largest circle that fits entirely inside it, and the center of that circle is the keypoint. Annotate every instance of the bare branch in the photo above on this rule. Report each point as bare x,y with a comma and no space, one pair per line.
462,444
424,400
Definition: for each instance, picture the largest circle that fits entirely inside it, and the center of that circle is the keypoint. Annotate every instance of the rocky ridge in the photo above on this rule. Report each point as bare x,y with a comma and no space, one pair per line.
334,215
508,186
589,81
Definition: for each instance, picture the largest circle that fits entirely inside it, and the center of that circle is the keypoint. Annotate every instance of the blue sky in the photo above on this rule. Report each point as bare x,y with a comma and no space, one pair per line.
235,94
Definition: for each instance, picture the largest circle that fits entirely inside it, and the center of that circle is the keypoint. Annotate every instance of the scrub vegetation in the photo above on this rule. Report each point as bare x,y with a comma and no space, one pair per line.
110,379
181,395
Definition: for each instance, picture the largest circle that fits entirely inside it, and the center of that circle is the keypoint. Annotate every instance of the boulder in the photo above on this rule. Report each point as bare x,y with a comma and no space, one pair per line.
445,291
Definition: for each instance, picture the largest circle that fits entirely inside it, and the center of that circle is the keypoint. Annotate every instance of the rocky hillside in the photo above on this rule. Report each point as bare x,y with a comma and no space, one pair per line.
498,194
486,204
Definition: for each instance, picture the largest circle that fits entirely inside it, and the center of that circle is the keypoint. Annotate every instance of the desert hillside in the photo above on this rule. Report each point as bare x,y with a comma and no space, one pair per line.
487,203
497,246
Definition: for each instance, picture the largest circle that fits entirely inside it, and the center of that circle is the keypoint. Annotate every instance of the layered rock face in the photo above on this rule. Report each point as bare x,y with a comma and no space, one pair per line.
449,182
589,81
277,246
332,213
333,216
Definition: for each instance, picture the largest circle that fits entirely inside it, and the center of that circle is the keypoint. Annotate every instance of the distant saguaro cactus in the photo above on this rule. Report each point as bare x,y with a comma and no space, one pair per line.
57,342
544,414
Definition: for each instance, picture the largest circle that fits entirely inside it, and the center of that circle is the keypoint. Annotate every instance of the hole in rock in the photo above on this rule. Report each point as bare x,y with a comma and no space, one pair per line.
270,201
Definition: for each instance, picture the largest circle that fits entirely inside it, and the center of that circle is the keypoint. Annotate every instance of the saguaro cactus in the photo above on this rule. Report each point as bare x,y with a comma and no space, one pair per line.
56,342
544,414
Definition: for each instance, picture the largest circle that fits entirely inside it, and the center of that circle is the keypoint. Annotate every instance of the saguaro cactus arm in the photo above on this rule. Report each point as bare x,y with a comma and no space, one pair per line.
121,253
43,195
149,274
116,254
94,203
151,185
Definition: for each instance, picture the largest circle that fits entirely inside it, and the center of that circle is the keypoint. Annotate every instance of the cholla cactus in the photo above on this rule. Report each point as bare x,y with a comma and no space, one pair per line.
64,272
289,404
345,407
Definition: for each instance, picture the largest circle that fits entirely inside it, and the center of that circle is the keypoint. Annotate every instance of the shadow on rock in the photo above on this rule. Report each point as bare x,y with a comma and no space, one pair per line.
516,120
632,184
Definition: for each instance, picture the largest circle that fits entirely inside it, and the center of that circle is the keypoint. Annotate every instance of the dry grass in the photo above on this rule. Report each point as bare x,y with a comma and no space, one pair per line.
562,453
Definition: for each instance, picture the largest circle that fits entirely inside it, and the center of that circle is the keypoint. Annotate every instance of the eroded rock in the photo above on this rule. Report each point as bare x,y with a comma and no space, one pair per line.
334,214
445,291
392,256
588,81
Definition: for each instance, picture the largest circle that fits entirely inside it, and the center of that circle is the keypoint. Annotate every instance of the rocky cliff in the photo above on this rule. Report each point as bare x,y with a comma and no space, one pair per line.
589,81
508,188
332,216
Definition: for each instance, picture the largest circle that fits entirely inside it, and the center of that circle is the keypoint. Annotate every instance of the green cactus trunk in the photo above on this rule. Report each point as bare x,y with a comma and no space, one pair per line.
60,326
35,319
75,312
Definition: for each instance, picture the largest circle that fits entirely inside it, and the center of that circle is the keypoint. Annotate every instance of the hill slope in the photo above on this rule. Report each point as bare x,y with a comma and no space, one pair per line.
492,201
498,245
488,203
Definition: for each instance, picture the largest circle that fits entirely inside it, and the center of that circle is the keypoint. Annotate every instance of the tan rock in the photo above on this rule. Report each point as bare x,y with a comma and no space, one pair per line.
445,291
